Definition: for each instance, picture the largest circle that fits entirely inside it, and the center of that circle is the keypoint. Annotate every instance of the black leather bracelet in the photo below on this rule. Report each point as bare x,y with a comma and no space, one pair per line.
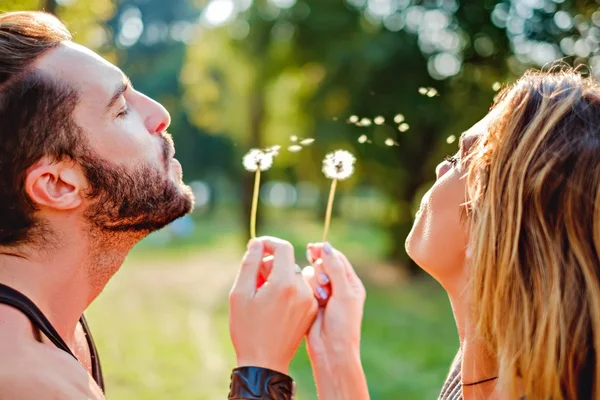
254,383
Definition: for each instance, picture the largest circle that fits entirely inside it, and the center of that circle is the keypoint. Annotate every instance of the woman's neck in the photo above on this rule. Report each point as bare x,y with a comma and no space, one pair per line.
478,363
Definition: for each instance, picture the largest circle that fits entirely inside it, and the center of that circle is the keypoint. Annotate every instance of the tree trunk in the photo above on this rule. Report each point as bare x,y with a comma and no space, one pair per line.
49,6
257,116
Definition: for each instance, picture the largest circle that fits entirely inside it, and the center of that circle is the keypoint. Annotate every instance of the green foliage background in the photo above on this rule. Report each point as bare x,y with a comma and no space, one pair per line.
261,71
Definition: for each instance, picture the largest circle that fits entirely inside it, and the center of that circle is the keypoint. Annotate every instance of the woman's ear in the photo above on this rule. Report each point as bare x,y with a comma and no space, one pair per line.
55,185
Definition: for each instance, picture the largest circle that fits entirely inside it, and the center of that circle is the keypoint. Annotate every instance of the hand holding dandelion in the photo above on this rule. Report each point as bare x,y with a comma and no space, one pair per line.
337,166
256,161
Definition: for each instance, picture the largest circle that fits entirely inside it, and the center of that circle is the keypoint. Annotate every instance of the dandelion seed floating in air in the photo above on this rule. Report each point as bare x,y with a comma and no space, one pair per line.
496,86
295,148
423,90
379,120
450,139
293,138
274,150
398,118
337,166
432,92
353,119
390,142
365,122
256,161
362,139
307,141
403,127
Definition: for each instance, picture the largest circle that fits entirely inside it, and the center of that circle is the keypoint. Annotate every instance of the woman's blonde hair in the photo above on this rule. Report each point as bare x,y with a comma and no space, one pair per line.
534,189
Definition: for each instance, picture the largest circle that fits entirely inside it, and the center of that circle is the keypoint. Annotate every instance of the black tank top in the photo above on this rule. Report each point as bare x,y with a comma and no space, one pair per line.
17,300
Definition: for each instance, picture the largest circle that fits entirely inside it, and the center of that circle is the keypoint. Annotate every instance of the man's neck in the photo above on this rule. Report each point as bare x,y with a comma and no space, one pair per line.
63,280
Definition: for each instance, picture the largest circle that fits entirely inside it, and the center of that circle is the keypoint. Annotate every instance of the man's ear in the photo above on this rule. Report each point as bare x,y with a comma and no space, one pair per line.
56,185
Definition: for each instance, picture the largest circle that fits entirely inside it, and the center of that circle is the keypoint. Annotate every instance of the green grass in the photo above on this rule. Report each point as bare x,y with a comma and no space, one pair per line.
161,324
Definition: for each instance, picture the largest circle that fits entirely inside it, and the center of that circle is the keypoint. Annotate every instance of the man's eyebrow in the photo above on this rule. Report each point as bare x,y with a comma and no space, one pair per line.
123,86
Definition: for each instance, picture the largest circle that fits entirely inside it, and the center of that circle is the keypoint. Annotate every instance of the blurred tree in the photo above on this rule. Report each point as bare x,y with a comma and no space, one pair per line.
430,68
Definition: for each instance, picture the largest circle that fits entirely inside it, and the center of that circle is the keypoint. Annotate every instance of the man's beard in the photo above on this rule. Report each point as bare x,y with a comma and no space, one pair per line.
136,201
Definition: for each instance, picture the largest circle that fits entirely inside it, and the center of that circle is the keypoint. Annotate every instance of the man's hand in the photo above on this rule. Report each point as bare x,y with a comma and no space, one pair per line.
267,321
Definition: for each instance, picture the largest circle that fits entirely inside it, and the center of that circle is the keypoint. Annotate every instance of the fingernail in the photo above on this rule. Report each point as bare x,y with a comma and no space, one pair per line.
321,293
309,256
323,278
327,248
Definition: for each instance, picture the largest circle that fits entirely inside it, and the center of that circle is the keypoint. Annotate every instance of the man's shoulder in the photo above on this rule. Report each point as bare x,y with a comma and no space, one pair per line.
32,370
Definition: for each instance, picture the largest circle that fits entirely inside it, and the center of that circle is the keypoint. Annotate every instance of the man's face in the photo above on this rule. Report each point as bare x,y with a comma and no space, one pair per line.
135,183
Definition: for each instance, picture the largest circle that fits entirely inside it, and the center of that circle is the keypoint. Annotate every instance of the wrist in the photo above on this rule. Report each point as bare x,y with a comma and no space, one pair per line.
340,376
273,365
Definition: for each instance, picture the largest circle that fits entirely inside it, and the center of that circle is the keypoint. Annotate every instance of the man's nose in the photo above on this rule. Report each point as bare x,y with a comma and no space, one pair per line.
157,118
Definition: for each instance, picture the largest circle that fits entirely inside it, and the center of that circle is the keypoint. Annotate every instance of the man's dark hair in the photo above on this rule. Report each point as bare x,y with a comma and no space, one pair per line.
35,116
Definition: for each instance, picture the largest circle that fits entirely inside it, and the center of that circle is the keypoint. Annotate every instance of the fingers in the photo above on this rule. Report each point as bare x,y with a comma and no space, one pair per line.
334,268
315,251
265,270
320,293
282,271
245,282
313,254
349,269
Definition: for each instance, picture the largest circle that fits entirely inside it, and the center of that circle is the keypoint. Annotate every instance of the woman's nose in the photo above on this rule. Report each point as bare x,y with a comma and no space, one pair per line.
441,169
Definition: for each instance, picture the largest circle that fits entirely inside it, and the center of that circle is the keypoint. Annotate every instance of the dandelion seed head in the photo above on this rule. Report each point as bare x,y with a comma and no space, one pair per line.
257,159
339,165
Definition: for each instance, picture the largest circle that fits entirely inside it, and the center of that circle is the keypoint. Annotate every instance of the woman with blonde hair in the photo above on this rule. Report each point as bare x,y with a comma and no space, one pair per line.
511,230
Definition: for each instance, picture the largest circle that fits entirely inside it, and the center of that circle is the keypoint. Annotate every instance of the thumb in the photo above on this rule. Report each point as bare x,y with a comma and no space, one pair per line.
245,282
335,269
315,330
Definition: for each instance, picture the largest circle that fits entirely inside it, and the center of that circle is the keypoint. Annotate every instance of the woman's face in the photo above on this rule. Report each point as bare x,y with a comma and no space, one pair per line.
439,236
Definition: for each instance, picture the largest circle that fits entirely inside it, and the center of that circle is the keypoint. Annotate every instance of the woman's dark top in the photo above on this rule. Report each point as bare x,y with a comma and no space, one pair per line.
17,300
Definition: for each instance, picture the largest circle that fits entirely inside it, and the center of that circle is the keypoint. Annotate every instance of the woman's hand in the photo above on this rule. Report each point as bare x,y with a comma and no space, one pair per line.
267,320
333,341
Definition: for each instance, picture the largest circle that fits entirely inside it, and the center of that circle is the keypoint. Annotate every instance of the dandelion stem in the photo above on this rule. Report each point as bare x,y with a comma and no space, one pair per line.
329,208
254,204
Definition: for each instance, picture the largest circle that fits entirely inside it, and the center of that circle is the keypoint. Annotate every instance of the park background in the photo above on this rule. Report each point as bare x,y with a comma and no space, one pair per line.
393,81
